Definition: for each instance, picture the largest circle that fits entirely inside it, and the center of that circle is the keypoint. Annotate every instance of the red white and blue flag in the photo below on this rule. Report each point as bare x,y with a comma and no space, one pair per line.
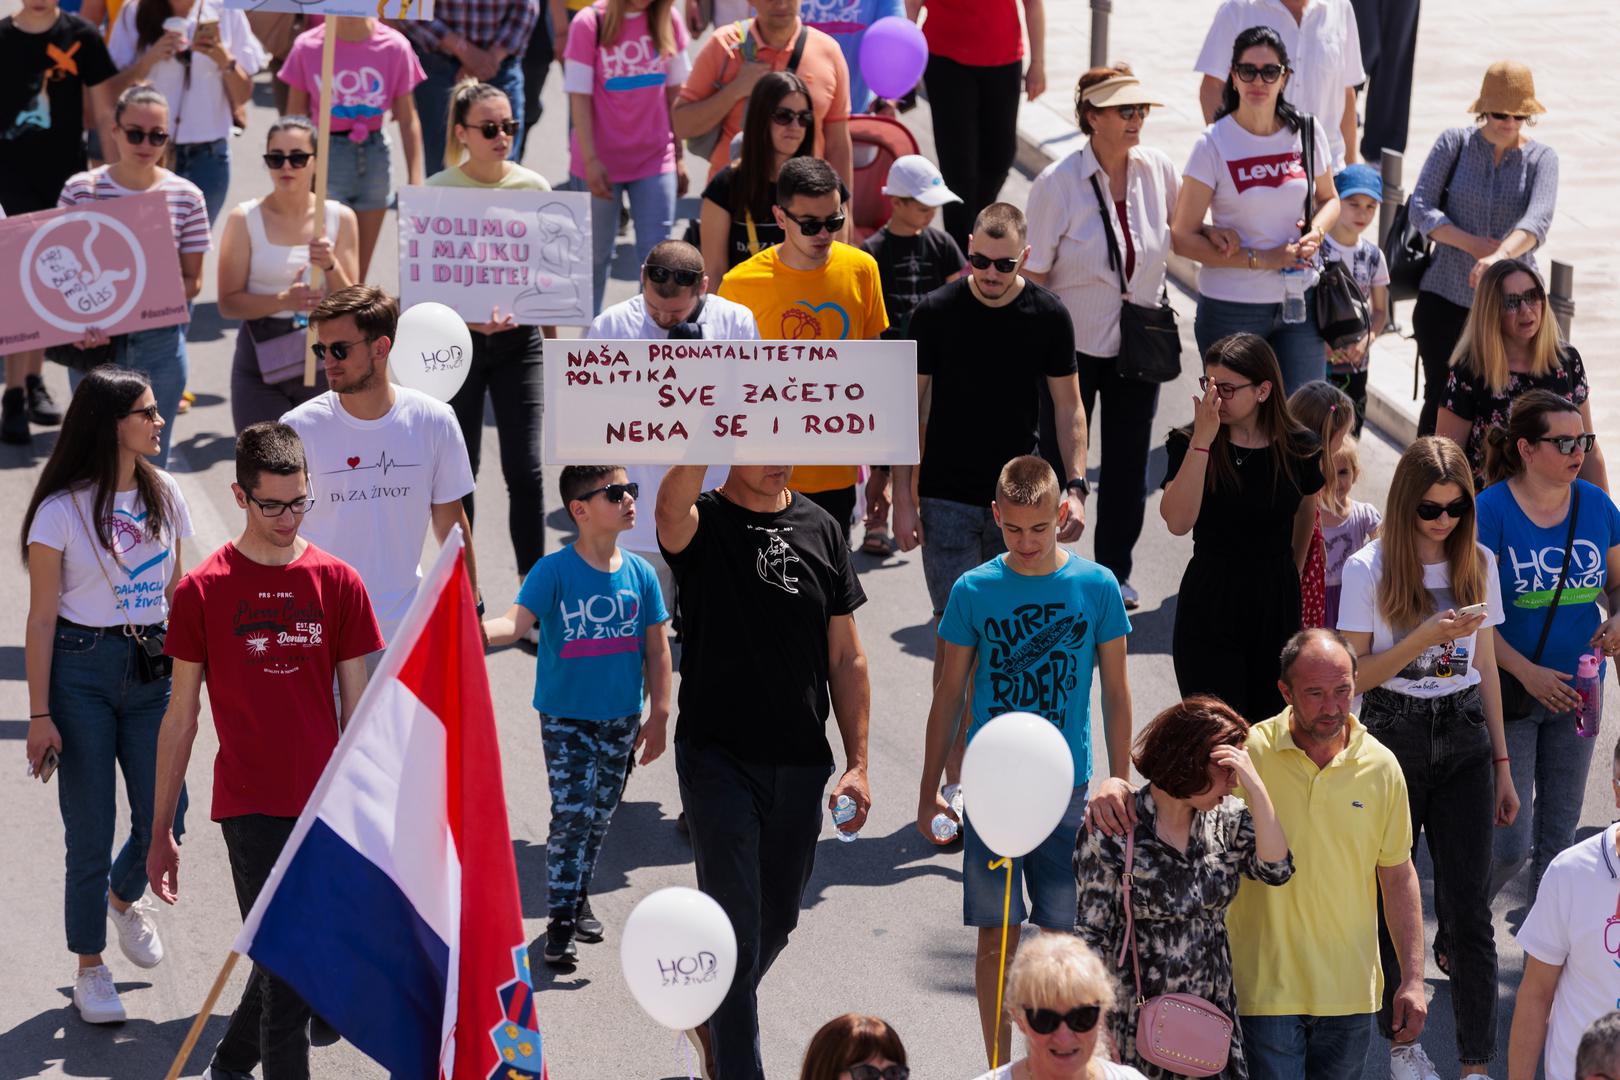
394,907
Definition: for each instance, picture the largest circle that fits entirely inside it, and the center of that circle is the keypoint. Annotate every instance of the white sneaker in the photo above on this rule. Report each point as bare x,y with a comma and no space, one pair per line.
137,933
1410,1062
96,998
952,794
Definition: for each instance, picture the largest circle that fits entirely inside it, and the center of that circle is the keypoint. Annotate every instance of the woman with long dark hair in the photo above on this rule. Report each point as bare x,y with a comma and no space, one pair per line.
101,540
1242,478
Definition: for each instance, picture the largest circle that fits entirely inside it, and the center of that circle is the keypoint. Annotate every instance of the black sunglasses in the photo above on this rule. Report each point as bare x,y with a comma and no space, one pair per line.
491,128
1507,116
784,116
1268,74
1512,302
660,275
812,226
1455,509
296,158
872,1072
150,412
1046,1021
614,492
1564,444
157,136
338,349
985,262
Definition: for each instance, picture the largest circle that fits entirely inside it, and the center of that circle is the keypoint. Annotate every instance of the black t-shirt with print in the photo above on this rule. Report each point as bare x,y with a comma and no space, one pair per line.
756,592
911,267
42,96
766,230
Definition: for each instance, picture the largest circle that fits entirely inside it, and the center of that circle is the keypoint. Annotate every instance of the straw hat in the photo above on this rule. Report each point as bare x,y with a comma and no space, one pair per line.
1507,88
1118,90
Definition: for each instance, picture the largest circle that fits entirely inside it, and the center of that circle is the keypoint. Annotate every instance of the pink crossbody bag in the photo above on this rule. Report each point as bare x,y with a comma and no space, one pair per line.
1182,1033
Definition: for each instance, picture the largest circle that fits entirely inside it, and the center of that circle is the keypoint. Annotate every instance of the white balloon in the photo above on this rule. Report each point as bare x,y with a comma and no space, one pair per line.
432,350
678,953
1017,781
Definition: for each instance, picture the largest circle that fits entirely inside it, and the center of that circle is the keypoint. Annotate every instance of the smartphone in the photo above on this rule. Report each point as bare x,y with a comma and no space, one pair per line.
207,33
1471,610
47,765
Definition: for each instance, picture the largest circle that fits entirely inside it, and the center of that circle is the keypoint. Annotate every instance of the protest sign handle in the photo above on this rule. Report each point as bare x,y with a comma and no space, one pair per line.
1001,976
202,1017
323,143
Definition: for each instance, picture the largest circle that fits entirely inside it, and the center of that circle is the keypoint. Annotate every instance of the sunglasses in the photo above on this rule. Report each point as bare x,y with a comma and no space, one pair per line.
985,262
1564,444
491,128
872,1072
1507,116
1225,391
1132,112
338,349
157,136
296,158
812,226
1046,1021
1455,509
660,275
150,412
615,492
274,509
1267,74
784,116
1512,302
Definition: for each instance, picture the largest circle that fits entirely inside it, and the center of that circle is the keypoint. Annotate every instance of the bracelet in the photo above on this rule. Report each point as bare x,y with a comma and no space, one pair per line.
37,715
1498,761
1253,264
1202,449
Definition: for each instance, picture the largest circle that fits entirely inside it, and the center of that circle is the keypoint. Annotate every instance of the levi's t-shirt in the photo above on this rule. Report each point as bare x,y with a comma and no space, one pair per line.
628,82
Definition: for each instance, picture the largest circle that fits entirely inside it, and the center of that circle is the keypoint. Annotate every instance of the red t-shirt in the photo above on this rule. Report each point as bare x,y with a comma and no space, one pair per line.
978,33
270,639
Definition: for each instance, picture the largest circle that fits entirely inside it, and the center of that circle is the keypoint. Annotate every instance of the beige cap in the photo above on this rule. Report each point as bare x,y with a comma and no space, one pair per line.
1507,88
1118,90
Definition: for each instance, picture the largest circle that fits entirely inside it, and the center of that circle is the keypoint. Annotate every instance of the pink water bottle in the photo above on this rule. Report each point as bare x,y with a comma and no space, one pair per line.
1589,685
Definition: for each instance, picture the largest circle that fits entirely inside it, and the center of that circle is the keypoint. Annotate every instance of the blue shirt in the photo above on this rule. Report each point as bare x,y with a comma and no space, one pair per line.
1037,637
845,21
1528,560
593,633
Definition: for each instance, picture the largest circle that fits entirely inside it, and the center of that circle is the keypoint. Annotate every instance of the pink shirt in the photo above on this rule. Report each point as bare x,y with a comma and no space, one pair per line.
366,76
628,81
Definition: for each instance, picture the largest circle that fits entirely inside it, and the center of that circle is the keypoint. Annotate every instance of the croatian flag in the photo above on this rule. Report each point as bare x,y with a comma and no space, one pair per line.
393,909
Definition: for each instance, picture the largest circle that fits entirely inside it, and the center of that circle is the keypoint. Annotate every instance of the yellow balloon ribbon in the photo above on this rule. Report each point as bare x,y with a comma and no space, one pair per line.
1001,976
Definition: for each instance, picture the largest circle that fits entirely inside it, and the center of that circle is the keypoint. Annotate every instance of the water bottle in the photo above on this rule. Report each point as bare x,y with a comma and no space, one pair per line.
944,828
1589,684
1293,296
843,810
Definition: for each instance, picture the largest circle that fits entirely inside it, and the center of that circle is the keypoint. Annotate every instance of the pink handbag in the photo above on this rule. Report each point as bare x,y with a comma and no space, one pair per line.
1182,1033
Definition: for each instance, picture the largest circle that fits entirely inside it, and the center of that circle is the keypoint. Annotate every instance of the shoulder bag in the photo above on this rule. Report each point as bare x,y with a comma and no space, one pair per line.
151,663
1516,700
703,145
1149,343
1181,1033
1342,316
1407,251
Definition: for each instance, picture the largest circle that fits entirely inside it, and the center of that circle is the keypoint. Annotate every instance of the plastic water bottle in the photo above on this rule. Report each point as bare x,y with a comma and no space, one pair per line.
1589,684
843,810
945,828
1293,296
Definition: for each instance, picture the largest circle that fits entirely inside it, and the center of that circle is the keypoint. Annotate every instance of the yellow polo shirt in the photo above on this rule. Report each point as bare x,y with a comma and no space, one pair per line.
1310,946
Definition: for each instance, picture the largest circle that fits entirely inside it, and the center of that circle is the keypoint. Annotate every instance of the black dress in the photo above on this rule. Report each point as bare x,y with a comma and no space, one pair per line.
1239,600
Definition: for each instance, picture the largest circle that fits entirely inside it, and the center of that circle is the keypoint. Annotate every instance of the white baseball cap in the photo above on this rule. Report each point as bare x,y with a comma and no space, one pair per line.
915,177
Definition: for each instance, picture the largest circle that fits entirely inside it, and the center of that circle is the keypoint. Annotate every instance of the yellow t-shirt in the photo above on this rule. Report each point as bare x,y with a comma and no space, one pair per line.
843,300
1310,946
517,178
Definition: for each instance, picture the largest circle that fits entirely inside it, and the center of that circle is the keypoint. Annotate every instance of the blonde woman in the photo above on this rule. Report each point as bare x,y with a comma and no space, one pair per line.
1417,607
1510,345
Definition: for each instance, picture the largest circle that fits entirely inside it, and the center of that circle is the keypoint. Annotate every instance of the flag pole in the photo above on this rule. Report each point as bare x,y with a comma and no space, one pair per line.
323,143
202,1017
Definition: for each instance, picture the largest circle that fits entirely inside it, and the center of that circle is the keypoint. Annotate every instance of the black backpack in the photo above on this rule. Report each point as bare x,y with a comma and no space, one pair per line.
1342,314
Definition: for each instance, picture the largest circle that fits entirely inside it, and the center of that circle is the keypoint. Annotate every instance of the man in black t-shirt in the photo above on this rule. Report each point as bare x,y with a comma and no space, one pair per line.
49,59
767,597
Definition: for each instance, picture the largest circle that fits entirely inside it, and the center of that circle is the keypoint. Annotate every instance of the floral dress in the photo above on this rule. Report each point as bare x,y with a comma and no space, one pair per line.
1469,397
1179,901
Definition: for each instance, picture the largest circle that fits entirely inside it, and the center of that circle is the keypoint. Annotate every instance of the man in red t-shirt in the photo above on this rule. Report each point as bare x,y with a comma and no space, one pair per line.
267,621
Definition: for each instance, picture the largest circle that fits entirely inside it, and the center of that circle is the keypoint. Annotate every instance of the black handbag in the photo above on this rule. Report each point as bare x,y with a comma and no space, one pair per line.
1407,251
76,359
1342,315
1516,700
1149,343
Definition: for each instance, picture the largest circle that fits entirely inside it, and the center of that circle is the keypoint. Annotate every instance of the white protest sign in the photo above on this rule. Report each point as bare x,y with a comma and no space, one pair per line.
723,402
376,9
474,249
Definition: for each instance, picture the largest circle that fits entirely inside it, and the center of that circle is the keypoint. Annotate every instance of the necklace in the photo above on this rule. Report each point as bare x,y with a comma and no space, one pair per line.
1239,459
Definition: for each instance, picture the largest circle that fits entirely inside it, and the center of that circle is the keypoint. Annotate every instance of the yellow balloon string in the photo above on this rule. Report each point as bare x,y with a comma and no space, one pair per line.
1001,976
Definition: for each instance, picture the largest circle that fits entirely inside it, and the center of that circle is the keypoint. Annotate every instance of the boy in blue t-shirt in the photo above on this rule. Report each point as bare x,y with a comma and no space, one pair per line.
1028,626
601,619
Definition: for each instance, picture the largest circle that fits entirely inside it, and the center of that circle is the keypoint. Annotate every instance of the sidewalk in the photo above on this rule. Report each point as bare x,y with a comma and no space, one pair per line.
1457,39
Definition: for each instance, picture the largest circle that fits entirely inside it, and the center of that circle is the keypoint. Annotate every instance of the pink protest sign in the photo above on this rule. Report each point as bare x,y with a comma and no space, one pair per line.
109,265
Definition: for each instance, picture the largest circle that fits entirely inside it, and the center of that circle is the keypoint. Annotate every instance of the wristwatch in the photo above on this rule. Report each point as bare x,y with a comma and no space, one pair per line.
1079,485
479,603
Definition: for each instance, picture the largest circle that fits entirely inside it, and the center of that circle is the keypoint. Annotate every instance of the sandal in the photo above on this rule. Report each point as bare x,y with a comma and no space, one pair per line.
186,400
880,544
1442,953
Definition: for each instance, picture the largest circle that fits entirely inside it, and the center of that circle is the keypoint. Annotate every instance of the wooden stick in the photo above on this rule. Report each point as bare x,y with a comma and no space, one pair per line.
323,143
201,1021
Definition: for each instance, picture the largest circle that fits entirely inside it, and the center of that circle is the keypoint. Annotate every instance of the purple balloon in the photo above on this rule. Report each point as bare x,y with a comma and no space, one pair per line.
893,56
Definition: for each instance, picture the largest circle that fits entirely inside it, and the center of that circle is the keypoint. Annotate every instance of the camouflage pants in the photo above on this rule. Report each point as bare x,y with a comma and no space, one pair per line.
586,763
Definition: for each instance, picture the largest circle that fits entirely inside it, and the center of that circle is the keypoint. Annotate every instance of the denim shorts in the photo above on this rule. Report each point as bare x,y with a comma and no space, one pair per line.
956,538
1047,872
360,175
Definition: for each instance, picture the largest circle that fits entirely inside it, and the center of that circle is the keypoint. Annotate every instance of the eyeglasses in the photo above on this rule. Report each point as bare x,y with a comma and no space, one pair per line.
812,226
1225,391
1455,509
273,509
157,136
872,1072
1046,1021
615,492
1512,302
1268,74
1507,116
1564,444
338,349
784,116
985,262
491,128
1132,112
150,412
660,275
296,158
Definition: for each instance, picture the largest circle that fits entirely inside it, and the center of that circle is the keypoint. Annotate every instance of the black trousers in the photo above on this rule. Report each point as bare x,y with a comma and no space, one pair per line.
1388,30
1437,324
975,133
839,502
537,60
270,1026
508,367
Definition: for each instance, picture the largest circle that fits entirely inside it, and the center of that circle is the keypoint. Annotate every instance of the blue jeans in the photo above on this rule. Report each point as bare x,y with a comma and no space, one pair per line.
108,720
1047,872
1301,353
433,102
160,355
360,175
1319,1047
208,165
1549,760
652,209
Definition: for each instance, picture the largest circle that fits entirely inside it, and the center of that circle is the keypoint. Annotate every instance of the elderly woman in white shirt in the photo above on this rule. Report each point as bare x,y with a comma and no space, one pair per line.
1114,183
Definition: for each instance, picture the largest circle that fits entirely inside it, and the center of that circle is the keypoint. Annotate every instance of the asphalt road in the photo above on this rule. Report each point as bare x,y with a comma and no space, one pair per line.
881,929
